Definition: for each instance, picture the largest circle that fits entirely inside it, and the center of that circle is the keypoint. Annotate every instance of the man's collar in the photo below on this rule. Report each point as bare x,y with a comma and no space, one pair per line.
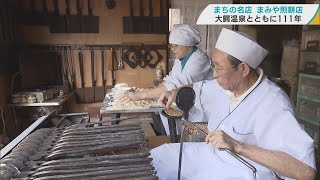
240,98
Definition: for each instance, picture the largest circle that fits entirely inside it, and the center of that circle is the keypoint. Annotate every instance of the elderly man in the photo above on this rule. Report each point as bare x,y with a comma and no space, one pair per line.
248,114
191,65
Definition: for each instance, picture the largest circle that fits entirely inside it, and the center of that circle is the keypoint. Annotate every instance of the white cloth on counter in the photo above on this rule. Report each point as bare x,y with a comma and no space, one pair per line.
265,118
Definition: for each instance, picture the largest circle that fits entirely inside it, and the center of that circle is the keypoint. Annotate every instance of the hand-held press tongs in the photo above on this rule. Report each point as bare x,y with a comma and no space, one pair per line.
185,101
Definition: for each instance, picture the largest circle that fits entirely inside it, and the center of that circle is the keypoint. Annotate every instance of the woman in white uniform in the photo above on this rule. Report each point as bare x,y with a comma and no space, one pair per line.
249,115
191,65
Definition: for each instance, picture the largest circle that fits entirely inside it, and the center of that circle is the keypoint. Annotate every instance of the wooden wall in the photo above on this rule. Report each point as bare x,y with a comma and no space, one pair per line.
110,33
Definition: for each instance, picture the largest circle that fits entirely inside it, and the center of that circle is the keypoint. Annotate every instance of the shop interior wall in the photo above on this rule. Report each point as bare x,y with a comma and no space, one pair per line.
8,68
110,32
8,64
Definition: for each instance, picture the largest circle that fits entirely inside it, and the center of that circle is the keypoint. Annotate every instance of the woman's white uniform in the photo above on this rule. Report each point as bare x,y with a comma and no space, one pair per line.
196,69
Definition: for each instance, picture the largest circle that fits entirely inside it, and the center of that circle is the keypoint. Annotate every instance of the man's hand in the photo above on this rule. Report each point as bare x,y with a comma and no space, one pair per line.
167,98
221,140
130,97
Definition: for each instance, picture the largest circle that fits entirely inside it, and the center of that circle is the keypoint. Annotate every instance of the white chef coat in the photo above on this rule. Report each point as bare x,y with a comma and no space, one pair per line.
265,118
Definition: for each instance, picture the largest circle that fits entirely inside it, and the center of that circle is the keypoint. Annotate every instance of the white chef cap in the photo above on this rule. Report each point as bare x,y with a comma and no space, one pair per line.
184,35
241,47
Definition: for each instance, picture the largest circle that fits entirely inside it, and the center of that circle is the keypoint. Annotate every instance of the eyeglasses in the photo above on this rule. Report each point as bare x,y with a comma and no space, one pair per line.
217,70
172,46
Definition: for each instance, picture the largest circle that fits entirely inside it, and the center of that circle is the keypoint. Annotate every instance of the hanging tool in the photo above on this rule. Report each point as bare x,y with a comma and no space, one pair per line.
144,23
64,71
81,74
29,17
44,14
73,23
92,22
13,14
139,21
67,16
75,20
64,56
113,56
164,19
37,18
69,68
156,21
81,20
9,18
18,13
128,21
128,57
3,23
73,71
149,19
94,82
59,65
120,65
161,23
57,24
151,60
140,56
102,74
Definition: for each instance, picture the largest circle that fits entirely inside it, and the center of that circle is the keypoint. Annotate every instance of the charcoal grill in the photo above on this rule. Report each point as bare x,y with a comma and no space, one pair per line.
80,150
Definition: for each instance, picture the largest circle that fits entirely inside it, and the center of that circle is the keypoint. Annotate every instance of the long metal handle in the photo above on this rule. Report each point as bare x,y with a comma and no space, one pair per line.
112,68
56,7
90,8
92,68
79,8
161,8
102,68
33,6
81,68
45,7
180,151
141,8
150,8
243,161
239,158
68,5
73,72
131,8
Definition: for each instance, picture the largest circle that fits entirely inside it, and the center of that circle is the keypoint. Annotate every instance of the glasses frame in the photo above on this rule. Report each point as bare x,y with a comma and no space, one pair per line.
173,46
217,70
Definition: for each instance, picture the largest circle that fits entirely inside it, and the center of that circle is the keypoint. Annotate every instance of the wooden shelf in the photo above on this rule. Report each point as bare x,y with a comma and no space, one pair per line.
309,120
316,100
51,102
310,50
309,76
